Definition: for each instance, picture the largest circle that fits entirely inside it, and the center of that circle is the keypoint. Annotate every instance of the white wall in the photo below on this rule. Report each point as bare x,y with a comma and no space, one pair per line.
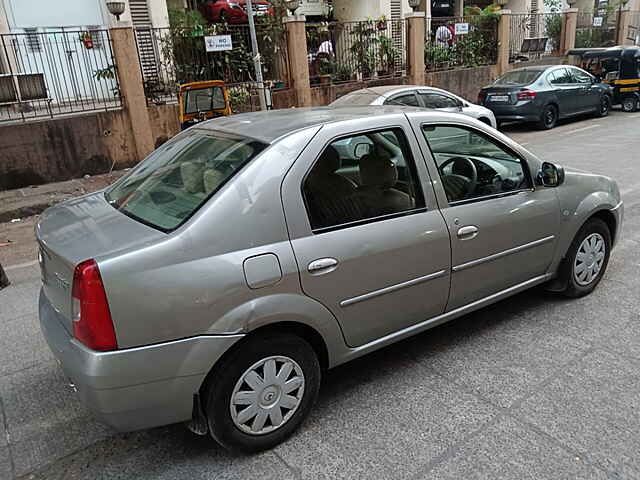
53,13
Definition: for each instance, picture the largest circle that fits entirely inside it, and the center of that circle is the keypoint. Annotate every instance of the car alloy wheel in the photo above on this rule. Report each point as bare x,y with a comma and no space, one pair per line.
605,105
267,395
548,118
589,259
629,104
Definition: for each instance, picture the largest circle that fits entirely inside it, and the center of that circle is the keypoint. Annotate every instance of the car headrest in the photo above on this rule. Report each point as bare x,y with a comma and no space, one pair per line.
328,162
377,170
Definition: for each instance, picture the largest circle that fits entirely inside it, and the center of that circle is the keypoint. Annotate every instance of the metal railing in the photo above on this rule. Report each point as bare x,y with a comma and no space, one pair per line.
170,57
56,73
460,42
342,52
533,35
596,30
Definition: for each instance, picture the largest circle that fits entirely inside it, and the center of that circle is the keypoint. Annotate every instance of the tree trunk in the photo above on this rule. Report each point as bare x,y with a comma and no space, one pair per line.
4,281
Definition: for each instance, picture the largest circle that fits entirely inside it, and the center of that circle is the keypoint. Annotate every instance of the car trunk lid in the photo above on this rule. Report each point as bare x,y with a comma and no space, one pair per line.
84,228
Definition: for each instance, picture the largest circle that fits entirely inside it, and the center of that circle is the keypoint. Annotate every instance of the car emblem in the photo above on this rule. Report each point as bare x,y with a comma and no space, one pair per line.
61,281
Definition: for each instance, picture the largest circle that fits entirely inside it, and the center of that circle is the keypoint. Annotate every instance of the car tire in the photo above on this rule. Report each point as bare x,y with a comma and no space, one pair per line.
592,240
255,360
604,107
629,103
548,118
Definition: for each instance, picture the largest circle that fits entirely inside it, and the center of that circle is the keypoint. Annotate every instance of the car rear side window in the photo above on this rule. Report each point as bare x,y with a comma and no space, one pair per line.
177,179
472,165
362,177
560,76
408,100
436,100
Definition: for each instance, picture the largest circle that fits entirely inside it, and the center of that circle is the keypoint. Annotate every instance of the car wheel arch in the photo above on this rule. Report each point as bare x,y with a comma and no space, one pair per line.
312,320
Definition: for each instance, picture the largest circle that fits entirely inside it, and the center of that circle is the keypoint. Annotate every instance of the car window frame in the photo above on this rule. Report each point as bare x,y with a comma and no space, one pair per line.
411,164
575,70
557,70
456,103
388,101
493,139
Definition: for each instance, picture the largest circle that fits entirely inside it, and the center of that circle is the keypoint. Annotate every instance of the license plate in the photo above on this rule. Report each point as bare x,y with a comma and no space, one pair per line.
499,98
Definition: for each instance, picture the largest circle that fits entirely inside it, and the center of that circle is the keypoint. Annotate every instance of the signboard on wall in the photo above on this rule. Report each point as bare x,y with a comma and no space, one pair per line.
218,43
597,21
462,28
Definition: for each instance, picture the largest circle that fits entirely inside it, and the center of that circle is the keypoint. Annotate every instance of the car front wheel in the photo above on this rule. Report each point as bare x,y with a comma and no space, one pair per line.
587,258
548,118
262,392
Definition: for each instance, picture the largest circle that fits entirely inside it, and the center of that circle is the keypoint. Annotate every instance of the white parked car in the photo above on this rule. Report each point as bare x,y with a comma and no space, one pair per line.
417,96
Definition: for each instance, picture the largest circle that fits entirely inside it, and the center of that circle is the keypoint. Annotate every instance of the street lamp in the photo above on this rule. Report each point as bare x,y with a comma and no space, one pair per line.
414,4
116,9
292,5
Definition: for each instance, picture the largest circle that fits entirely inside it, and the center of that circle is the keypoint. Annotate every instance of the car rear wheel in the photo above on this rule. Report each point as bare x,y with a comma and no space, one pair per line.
605,106
548,118
587,258
630,103
262,392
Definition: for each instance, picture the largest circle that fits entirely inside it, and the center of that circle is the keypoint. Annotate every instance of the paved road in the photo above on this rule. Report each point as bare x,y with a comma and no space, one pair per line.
534,387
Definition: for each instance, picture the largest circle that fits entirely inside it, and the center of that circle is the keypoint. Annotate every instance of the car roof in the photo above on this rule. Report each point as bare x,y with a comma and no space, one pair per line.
268,126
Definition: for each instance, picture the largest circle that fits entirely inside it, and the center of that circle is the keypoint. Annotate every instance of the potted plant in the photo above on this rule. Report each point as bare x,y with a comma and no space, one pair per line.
87,40
326,69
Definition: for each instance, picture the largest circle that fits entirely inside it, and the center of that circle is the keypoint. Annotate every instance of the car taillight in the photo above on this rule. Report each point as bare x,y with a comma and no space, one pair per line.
526,95
481,96
92,324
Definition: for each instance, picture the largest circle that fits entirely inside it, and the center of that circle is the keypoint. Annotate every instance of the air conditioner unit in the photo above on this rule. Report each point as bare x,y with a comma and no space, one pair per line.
8,93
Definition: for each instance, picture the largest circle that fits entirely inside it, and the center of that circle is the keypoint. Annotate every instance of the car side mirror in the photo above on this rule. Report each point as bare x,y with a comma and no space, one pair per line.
361,150
550,175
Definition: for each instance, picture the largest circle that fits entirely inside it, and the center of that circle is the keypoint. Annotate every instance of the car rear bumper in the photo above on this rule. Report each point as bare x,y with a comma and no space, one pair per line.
139,387
521,112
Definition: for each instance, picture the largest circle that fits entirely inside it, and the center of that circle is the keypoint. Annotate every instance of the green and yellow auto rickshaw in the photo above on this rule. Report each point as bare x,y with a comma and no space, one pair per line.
618,66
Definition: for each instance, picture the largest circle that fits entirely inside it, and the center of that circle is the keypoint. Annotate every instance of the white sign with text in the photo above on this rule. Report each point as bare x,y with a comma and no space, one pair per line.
462,28
218,43
597,21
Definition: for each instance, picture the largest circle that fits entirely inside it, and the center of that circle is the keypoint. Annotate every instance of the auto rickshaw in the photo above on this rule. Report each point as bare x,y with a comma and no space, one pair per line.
200,101
618,66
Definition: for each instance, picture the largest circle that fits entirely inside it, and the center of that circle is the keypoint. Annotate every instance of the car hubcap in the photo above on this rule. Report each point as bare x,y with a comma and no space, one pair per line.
267,395
589,259
628,105
605,105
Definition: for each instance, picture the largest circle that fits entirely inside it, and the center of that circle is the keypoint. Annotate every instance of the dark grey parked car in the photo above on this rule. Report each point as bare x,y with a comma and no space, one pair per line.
545,94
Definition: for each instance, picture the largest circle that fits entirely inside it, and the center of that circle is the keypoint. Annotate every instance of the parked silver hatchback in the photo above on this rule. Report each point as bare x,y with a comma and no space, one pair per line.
218,279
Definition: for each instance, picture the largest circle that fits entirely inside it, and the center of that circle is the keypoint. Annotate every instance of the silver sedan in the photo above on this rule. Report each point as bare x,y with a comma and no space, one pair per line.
417,96
218,280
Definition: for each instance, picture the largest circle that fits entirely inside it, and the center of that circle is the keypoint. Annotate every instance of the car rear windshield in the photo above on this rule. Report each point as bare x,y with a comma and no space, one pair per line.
518,77
356,98
177,179
204,100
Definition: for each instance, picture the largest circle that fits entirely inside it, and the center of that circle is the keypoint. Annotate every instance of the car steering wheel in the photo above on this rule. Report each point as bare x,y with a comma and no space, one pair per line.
474,171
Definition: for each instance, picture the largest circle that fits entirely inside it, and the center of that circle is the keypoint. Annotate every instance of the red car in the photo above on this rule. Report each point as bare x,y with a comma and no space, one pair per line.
233,11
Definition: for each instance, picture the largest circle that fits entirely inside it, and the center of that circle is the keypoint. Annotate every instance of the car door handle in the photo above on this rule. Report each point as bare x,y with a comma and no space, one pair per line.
322,266
468,232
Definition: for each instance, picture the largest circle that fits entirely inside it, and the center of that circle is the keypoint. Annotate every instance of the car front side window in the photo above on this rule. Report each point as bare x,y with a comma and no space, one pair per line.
472,165
381,180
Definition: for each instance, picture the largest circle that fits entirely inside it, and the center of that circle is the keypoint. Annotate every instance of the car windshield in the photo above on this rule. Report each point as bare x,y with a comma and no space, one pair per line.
518,77
171,185
204,100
